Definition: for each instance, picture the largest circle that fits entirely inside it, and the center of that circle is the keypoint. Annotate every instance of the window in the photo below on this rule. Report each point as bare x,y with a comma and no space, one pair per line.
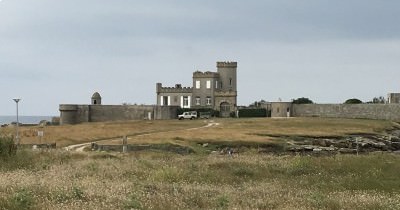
208,101
198,101
216,84
230,81
208,84
197,84
185,101
164,101
175,99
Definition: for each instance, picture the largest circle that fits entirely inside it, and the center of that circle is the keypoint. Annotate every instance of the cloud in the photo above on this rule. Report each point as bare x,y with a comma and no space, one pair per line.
63,51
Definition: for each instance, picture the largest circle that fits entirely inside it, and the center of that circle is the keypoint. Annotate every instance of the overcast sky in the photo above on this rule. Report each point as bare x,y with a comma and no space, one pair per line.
62,51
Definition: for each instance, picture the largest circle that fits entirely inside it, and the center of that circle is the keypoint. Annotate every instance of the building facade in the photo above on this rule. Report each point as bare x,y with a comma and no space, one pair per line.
213,90
393,98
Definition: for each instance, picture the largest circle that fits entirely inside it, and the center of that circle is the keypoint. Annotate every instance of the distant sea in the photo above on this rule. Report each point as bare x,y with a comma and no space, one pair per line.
24,119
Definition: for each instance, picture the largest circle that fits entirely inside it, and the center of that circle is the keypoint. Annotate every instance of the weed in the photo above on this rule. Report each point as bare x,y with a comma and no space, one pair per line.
23,199
222,201
132,203
77,193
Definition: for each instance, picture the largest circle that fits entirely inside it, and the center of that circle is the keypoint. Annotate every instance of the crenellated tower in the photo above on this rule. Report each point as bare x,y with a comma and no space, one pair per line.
228,75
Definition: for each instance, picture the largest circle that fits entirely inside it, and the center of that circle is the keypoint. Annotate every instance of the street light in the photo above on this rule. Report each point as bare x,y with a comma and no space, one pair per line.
17,136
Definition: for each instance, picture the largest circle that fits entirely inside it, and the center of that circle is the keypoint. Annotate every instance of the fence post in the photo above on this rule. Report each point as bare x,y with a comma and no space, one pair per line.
124,144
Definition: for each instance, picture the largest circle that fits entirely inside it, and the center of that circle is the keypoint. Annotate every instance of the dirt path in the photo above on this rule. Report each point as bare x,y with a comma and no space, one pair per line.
81,147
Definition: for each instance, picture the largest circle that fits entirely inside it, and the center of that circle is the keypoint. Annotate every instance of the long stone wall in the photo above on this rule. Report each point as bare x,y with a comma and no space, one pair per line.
74,114
101,113
362,111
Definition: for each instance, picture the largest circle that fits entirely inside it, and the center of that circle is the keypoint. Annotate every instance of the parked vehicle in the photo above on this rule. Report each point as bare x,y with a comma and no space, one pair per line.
188,115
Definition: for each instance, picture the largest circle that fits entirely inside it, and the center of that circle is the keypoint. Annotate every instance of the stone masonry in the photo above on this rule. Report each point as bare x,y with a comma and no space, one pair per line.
214,90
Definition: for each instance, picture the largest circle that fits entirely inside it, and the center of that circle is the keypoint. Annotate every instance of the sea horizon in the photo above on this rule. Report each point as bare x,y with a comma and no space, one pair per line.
7,119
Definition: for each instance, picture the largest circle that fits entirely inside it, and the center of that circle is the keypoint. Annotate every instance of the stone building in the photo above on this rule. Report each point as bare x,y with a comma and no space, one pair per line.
393,98
281,109
214,90
97,112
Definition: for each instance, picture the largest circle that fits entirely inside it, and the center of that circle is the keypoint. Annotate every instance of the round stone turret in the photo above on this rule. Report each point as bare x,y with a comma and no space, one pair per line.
96,99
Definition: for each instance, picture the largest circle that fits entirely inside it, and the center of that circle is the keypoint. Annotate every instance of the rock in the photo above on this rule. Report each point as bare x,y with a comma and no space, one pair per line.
396,145
329,149
317,150
309,147
319,142
394,139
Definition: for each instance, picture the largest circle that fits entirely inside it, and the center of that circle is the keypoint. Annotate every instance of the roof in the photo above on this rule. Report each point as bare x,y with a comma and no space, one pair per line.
96,95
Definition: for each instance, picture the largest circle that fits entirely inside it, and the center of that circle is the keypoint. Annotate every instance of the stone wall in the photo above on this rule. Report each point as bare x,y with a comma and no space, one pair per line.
102,113
362,111
75,114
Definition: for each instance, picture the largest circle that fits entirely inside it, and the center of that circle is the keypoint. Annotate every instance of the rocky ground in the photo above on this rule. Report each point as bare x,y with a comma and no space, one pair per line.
352,144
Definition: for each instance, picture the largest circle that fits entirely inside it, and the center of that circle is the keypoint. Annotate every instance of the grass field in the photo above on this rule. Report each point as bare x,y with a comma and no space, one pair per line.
251,130
68,180
59,179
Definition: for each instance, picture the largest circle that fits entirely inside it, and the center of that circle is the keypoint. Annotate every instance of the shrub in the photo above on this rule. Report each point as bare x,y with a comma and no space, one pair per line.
260,112
302,101
7,147
23,199
353,101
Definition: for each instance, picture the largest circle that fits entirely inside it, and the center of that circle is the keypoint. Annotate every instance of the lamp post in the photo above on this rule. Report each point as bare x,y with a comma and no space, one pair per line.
17,135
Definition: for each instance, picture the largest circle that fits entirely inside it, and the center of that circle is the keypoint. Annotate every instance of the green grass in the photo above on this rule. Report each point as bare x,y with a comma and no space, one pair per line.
154,180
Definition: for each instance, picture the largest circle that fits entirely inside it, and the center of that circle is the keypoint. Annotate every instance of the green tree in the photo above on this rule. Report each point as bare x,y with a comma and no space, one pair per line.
302,100
378,100
353,101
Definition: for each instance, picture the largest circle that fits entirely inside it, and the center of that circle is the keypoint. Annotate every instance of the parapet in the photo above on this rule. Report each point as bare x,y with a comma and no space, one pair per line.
207,74
177,89
226,64
68,107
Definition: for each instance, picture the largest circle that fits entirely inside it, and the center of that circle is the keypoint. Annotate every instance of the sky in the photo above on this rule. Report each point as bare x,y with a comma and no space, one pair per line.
61,52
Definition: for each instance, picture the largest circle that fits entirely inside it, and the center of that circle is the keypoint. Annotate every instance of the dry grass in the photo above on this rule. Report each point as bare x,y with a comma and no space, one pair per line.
147,180
263,130
88,132
64,180
179,132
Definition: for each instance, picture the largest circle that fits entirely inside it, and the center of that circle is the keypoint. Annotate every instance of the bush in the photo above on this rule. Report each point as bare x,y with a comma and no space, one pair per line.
353,101
302,101
7,147
260,112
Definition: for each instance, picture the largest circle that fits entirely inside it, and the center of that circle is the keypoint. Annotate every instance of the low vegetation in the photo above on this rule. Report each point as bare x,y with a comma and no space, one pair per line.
147,180
243,129
59,179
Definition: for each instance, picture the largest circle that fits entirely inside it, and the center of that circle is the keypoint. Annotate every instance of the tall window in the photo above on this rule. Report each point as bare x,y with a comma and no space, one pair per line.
208,101
230,81
165,101
197,84
198,101
208,84
216,84
185,101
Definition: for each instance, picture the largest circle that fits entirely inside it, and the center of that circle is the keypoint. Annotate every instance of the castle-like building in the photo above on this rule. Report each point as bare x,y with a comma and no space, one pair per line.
214,90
